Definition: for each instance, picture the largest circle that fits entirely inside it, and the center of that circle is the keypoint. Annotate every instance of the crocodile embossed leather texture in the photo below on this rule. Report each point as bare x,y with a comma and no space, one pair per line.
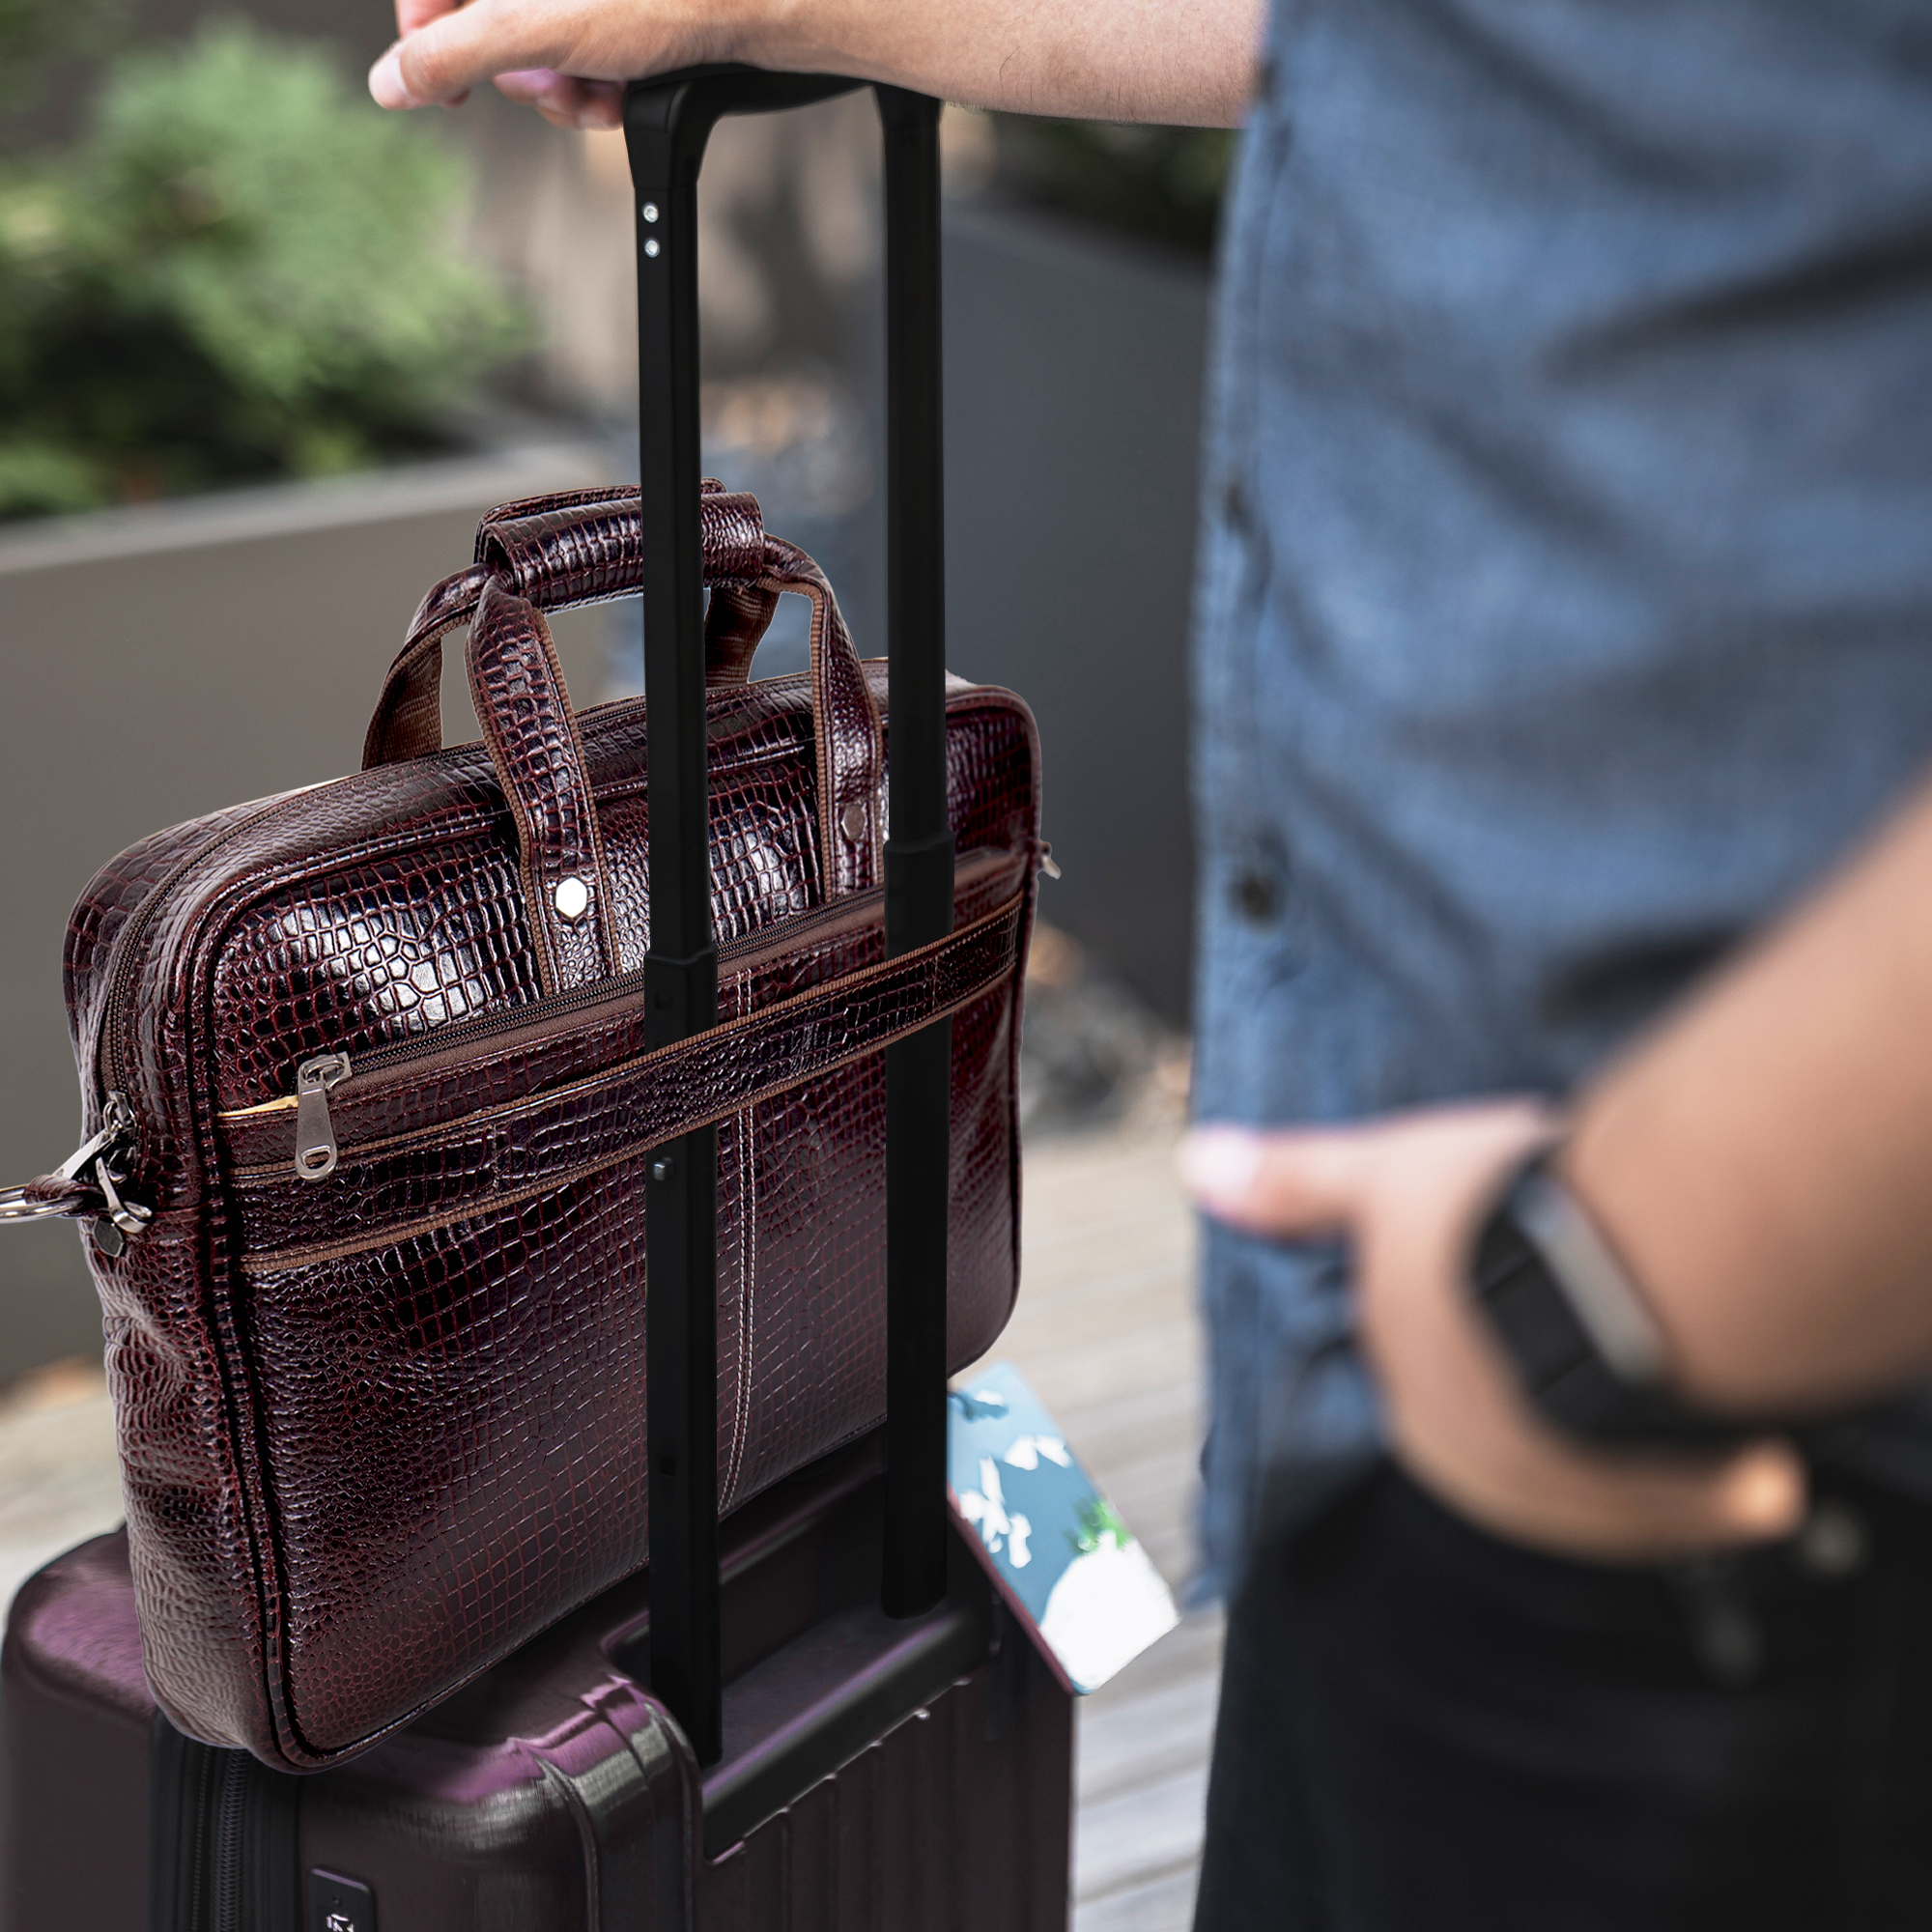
379,1429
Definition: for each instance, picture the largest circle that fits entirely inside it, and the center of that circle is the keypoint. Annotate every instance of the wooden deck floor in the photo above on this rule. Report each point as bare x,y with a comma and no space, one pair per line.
1106,1335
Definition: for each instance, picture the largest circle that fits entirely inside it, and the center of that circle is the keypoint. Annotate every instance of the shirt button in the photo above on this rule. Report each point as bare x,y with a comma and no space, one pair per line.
1233,502
1834,1541
1256,896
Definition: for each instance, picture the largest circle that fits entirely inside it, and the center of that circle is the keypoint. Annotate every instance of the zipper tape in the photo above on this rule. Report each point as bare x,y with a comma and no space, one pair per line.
222,1848
379,1188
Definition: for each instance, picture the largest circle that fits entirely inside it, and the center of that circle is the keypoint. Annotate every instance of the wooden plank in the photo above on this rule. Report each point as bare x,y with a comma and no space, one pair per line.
1148,1357
1117,1305
1162,1905
1148,1833
1145,1738
1106,1332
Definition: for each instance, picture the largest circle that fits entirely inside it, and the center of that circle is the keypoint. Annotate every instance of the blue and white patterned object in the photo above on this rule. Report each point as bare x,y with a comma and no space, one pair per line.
1055,1546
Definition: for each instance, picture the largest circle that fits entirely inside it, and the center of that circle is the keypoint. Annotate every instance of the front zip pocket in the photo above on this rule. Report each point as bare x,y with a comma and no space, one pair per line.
316,1152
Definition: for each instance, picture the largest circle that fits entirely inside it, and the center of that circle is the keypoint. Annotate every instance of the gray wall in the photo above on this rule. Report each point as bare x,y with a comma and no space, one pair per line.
162,664
1073,372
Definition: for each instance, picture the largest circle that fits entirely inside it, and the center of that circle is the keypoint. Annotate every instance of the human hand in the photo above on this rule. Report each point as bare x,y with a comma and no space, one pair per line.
568,59
1409,1190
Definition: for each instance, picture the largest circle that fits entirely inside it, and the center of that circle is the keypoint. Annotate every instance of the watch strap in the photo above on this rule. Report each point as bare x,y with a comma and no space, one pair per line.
1585,1348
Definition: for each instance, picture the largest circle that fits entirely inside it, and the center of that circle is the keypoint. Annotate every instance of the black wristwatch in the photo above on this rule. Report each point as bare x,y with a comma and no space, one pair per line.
1586,1347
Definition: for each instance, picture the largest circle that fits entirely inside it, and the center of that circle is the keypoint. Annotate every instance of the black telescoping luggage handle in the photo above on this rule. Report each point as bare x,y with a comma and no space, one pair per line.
667,122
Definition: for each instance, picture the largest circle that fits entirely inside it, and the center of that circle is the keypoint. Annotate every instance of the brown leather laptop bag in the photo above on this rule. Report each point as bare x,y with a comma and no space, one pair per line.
372,1092
372,1098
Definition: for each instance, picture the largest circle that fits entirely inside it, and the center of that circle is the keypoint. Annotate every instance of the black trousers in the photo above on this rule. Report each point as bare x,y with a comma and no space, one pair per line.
1424,1729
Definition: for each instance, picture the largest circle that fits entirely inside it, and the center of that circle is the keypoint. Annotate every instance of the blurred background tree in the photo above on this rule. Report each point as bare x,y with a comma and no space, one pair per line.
239,267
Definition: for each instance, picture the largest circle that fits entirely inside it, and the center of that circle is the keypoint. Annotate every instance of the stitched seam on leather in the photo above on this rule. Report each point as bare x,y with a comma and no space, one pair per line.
836,874
744,957
731,698
748,1257
356,1153
411,674
291,1260
571,790
243,1402
536,915
832,865
463,822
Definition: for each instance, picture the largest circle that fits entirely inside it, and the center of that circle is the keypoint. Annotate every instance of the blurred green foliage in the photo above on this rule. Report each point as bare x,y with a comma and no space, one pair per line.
244,268
1162,184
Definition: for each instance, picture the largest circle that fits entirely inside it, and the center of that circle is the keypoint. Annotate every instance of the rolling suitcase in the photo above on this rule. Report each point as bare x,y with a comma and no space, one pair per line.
879,1775
842,1727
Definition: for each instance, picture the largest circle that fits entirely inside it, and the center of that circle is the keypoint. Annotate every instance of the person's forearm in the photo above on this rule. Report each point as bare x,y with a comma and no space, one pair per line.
1764,1162
1185,62
1180,61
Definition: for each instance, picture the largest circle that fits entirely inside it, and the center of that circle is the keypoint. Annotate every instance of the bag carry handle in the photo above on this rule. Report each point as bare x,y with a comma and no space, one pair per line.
564,550
555,558
667,122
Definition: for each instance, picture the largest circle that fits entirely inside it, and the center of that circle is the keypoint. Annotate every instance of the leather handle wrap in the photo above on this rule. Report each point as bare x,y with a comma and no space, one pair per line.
585,545
531,732
560,551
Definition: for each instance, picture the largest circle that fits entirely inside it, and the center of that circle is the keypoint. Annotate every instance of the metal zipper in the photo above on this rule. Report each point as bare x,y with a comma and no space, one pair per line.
117,1218
222,1843
316,1152
227,1849
108,1062
126,1218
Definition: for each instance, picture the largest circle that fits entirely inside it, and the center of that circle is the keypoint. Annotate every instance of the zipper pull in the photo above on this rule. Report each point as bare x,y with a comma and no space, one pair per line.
117,1126
315,1131
111,1230
70,1191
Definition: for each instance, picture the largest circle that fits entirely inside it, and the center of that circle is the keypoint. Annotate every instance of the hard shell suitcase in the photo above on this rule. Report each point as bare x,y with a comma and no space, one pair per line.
552,1795
842,1727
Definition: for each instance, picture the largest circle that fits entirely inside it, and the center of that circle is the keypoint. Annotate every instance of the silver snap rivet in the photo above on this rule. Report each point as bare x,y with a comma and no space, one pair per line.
662,1168
572,898
651,247
852,821
650,210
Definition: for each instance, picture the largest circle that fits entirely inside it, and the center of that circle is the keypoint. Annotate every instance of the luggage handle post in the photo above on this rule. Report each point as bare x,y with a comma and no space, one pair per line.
668,121
918,862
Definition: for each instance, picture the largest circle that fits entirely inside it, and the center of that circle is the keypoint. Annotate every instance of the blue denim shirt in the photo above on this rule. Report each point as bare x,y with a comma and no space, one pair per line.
1566,594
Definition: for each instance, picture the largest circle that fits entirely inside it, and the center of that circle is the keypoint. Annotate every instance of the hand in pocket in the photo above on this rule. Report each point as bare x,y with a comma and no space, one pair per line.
1407,1191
